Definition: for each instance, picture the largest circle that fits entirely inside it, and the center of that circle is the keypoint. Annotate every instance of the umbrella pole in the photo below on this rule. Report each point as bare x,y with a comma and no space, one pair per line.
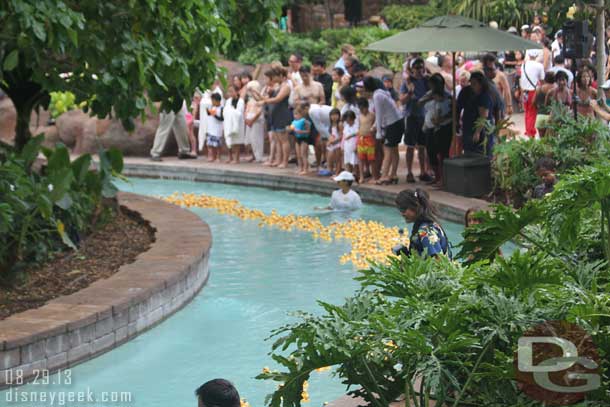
454,107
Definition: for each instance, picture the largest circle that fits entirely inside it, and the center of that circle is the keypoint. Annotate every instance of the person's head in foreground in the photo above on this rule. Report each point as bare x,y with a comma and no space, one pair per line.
472,216
479,82
217,393
545,169
345,180
427,236
415,206
561,80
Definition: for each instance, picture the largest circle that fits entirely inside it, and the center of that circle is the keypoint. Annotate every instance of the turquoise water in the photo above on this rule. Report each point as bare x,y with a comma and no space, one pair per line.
257,277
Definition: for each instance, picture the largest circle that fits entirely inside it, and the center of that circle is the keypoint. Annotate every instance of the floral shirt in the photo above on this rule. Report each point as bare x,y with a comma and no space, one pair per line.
430,237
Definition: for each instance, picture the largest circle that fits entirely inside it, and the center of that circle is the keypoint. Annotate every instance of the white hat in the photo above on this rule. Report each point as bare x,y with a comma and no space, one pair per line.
512,30
345,176
493,24
525,27
533,53
606,85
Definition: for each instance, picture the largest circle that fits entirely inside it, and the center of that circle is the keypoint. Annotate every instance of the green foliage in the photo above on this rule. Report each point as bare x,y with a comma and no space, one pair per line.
570,143
61,102
513,168
454,327
43,211
120,51
406,17
326,43
504,12
360,38
280,46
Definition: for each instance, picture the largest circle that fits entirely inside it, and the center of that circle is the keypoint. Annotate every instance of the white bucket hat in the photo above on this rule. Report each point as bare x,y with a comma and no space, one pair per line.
344,176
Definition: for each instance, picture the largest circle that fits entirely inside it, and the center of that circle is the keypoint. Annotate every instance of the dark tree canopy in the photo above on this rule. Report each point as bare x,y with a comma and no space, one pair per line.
120,55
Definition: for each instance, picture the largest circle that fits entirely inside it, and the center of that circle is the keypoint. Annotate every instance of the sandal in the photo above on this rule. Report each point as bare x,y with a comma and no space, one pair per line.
410,179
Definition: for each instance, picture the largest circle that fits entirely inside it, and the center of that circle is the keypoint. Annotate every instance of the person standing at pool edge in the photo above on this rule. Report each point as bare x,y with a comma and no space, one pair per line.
217,393
345,198
427,236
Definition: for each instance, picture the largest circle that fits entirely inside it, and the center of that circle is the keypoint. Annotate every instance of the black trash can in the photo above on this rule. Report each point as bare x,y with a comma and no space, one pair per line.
468,175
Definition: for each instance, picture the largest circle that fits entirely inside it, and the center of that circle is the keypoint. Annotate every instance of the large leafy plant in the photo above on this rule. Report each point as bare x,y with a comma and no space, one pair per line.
569,142
433,329
47,209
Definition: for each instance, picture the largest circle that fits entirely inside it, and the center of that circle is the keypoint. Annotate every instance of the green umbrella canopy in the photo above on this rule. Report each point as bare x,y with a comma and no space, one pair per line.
452,34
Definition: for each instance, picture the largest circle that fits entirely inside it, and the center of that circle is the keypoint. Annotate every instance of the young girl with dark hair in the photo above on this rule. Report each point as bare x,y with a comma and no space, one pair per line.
334,142
427,236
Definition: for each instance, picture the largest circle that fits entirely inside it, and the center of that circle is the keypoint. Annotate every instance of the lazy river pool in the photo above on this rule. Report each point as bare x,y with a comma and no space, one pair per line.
257,276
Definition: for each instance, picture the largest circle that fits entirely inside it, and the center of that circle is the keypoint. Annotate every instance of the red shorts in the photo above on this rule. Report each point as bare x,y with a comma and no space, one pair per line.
366,148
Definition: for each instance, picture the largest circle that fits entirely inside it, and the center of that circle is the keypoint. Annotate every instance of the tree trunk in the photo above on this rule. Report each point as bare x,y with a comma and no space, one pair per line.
25,97
329,14
600,36
22,132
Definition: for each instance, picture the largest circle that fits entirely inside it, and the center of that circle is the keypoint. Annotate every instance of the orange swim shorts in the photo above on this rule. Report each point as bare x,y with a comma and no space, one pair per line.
366,148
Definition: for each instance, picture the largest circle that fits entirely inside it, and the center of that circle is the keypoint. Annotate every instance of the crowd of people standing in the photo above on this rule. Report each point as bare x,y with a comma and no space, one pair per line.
342,118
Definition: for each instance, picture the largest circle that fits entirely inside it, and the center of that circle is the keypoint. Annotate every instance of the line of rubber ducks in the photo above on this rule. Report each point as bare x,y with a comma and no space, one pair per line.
370,240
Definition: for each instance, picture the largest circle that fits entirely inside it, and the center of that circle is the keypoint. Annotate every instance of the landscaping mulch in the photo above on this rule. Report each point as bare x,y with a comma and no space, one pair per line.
100,255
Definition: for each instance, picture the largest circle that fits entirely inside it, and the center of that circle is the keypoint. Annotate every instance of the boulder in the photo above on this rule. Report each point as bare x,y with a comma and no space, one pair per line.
138,142
8,120
71,126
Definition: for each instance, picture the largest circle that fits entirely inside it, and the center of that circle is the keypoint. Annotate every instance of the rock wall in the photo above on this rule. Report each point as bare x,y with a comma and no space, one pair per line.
85,134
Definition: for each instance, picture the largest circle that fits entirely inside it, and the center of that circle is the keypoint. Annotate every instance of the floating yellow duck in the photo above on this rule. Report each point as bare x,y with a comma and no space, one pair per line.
370,240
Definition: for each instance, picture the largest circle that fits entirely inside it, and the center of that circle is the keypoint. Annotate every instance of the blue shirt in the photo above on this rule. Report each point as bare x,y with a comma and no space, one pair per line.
421,88
431,239
300,125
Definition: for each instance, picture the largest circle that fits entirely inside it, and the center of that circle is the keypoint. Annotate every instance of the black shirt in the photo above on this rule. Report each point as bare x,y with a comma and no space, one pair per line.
327,83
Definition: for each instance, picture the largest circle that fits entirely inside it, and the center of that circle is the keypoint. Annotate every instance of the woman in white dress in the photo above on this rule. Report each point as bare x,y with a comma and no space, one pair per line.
255,121
234,130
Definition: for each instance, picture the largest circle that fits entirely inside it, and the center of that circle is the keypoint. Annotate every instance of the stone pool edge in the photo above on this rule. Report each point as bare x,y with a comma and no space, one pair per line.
451,207
78,327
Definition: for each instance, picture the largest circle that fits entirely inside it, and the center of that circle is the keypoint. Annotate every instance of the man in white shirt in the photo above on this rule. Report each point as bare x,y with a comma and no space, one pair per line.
532,73
559,65
557,45
172,122
347,51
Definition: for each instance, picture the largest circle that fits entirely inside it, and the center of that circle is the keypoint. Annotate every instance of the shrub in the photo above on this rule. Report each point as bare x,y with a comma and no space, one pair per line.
570,143
407,17
360,38
44,211
456,325
326,43
281,46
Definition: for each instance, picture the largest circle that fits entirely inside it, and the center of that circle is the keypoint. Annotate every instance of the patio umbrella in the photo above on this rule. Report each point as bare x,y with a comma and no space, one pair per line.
452,34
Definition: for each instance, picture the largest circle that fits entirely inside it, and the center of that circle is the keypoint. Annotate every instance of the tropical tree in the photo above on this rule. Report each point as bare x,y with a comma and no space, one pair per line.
120,56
